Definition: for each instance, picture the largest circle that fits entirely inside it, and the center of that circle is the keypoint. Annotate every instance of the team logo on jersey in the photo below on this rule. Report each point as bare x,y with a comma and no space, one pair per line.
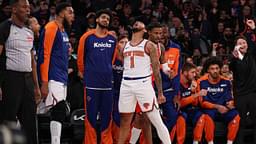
65,39
223,85
118,67
101,44
111,41
186,93
215,90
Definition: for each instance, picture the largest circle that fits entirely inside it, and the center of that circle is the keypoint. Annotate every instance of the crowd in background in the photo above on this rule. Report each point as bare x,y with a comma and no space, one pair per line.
201,27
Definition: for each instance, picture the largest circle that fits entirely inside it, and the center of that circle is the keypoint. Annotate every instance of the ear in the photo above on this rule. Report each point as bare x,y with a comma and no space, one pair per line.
97,20
145,30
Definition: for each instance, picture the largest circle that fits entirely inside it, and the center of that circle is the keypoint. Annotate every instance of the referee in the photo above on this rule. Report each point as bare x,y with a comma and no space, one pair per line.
18,71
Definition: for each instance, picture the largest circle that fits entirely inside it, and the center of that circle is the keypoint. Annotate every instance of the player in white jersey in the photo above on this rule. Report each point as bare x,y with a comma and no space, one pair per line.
140,59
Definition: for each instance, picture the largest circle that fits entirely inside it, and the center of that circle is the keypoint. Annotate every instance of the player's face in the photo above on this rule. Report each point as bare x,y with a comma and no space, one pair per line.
103,20
138,27
22,10
122,42
155,34
34,25
69,15
191,74
243,45
214,71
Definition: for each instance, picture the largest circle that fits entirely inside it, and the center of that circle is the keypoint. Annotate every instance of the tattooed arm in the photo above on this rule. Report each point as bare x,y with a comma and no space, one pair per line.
152,50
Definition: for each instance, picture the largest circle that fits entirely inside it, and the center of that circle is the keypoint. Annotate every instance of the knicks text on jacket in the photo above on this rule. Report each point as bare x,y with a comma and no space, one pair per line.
101,45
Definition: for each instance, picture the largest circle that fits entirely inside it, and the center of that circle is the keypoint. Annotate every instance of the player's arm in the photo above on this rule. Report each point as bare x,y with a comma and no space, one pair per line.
37,92
162,58
49,37
152,51
229,97
164,64
81,54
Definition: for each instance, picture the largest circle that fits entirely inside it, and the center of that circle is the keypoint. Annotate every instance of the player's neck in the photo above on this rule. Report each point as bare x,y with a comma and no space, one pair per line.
184,80
101,32
213,80
59,22
136,38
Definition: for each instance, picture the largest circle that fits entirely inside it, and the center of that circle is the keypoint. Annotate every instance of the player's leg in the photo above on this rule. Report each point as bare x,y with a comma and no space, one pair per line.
181,129
126,106
198,121
116,117
147,100
209,127
233,119
136,126
106,103
56,98
146,137
170,113
91,107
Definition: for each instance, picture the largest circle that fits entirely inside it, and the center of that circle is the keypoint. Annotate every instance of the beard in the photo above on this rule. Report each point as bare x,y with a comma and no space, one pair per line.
135,30
103,26
66,25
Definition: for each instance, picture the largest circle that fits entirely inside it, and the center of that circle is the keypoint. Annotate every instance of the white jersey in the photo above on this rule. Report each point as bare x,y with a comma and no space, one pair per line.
136,61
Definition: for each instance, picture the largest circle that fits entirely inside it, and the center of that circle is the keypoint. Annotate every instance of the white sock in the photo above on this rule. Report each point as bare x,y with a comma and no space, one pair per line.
55,128
210,142
229,142
195,142
162,131
135,134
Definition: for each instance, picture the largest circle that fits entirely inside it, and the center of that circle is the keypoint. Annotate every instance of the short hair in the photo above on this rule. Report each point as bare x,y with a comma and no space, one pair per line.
61,6
211,61
154,25
104,11
240,37
122,36
188,67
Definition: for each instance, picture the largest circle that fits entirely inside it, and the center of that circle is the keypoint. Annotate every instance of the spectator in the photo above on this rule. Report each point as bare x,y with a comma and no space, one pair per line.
244,73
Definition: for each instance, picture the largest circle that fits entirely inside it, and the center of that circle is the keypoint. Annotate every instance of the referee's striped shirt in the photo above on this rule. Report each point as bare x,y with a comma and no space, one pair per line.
18,47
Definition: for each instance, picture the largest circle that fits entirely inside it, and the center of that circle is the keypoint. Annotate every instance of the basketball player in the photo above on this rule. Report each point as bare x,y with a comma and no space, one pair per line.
53,63
139,55
141,121
95,55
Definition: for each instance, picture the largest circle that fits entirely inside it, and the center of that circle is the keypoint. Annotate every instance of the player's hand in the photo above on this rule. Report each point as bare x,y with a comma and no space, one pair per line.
250,23
230,105
176,102
193,86
37,94
171,74
166,68
203,92
161,99
44,89
222,109
80,75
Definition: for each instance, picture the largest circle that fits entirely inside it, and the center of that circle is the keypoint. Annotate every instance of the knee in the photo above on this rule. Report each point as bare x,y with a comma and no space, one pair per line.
125,120
60,111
